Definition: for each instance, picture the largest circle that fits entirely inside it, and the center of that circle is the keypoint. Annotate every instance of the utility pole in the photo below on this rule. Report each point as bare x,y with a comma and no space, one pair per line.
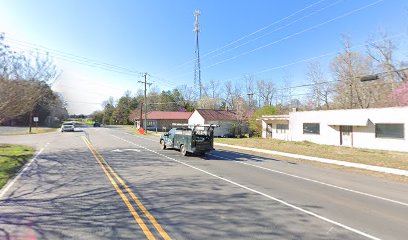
197,66
141,115
145,99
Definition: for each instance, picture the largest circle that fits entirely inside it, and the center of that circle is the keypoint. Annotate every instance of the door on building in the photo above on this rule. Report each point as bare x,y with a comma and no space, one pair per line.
346,136
269,130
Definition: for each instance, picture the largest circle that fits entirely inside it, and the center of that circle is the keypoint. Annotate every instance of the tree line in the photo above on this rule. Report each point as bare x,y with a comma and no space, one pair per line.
25,89
337,86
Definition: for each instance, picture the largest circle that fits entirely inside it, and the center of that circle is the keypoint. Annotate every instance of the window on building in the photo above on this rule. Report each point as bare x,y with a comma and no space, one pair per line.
282,128
151,123
389,130
311,128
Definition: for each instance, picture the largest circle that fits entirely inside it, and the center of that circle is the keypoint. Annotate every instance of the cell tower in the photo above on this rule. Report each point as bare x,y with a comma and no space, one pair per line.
197,65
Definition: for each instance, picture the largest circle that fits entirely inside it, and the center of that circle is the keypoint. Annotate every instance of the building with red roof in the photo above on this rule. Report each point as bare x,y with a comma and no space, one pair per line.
230,122
160,120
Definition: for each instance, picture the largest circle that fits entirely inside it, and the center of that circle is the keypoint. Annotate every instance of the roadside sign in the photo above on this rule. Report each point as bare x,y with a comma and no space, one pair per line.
35,119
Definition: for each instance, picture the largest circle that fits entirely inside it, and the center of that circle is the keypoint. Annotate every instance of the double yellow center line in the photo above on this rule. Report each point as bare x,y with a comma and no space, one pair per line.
111,174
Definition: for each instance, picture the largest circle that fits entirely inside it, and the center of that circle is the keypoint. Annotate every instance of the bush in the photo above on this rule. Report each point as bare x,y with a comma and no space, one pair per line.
256,126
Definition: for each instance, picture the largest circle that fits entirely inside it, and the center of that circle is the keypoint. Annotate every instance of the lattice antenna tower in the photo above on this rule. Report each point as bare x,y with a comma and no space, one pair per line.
197,65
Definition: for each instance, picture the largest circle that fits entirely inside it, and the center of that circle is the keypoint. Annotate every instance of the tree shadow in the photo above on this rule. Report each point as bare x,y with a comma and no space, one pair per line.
192,205
61,197
226,155
65,195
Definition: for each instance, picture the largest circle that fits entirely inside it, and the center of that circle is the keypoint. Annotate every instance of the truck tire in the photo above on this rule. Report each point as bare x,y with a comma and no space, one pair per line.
162,145
183,150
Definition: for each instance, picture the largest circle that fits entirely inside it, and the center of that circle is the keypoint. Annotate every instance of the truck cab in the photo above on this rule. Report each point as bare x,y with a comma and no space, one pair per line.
194,139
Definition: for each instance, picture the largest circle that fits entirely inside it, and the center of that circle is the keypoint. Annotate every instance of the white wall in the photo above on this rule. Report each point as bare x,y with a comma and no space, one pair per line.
224,128
264,124
195,118
276,134
363,136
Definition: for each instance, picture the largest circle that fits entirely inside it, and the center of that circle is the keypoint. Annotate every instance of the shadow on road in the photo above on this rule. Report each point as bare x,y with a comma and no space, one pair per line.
65,195
62,197
225,155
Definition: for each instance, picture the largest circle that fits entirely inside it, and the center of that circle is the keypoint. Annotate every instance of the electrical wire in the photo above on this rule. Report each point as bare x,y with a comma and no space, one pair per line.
253,33
71,56
294,34
275,30
316,57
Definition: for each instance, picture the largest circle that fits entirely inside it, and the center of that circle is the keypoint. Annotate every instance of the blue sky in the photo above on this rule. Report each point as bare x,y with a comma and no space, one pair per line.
157,37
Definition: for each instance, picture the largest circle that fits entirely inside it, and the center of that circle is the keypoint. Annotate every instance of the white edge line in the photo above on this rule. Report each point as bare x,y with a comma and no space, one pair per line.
306,179
315,181
11,183
260,193
323,160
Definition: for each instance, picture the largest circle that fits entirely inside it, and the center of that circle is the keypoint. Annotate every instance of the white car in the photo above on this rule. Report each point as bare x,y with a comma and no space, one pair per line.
68,127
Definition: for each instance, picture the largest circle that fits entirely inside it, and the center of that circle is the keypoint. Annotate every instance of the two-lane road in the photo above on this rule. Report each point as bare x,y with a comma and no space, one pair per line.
107,184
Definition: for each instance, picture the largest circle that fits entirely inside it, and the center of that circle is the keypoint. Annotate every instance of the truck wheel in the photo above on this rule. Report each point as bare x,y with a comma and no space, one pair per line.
162,145
183,150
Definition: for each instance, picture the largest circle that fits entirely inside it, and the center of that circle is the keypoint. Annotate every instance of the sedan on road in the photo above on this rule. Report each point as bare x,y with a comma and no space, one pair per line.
68,127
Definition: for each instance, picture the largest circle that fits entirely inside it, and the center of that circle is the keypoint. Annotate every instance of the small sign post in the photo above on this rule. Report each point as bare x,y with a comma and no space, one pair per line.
35,119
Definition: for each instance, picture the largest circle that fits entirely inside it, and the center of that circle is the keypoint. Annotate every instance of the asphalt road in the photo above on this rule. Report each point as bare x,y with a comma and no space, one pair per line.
107,184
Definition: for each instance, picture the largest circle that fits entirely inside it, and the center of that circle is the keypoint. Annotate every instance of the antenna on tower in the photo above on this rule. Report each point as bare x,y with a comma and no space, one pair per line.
197,65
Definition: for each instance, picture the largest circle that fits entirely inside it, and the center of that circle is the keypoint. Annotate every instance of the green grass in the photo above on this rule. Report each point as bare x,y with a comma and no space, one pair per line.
12,158
89,122
34,130
358,155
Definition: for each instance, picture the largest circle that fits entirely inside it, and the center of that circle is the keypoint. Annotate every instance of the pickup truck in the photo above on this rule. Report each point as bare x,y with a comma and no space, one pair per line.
189,139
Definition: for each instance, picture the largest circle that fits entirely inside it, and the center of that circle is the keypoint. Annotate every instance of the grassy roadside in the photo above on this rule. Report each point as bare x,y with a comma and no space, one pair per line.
12,158
34,130
372,157
132,130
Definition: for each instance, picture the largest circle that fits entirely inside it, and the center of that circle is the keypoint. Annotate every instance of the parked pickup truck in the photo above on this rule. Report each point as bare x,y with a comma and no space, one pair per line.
194,139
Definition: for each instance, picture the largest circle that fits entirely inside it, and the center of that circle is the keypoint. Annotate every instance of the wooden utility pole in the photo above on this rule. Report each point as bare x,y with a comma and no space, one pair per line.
145,100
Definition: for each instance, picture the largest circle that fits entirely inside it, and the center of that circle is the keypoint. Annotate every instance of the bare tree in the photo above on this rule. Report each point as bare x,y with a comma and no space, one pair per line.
209,103
213,89
321,89
231,93
187,94
383,54
18,97
347,67
250,86
23,81
266,90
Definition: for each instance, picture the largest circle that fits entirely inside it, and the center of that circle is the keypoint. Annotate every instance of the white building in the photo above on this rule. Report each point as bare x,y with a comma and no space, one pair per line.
373,128
225,119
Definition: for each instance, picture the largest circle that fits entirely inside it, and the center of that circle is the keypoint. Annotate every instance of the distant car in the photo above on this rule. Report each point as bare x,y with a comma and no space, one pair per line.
68,127
97,124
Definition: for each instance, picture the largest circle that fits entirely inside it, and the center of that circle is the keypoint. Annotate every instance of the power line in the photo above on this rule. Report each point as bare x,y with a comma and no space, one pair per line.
316,57
340,80
297,33
81,60
294,34
255,32
70,56
277,29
